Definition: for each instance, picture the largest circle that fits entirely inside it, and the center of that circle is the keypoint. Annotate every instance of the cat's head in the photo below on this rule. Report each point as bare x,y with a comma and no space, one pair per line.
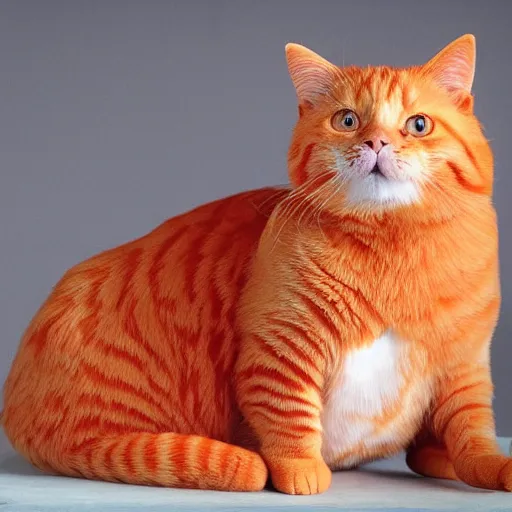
382,138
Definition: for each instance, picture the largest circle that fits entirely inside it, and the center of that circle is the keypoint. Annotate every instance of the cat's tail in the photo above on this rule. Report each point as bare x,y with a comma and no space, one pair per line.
167,459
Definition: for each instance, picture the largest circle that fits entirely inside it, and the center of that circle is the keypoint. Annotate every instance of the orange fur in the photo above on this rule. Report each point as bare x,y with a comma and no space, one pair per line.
214,349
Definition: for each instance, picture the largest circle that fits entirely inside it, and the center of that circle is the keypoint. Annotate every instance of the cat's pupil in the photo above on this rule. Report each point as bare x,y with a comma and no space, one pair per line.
419,124
349,121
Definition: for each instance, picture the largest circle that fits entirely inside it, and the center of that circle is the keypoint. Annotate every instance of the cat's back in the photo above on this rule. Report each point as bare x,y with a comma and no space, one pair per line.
192,242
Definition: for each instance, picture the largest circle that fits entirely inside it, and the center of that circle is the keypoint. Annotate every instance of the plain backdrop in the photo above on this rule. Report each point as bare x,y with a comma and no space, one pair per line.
115,115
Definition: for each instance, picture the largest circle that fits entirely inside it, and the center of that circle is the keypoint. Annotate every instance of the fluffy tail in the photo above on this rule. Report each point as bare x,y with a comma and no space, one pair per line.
169,460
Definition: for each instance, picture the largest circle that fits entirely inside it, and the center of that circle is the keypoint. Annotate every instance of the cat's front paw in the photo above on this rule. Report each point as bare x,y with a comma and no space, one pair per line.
300,476
486,471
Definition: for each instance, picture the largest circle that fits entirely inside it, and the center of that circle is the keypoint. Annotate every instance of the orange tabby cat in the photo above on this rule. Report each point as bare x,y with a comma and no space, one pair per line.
301,331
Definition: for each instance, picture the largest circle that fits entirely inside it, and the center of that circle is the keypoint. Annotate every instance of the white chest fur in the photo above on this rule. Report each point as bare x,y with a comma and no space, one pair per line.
376,402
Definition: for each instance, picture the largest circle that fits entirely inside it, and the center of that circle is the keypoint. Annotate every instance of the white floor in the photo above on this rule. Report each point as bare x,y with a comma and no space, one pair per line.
385,486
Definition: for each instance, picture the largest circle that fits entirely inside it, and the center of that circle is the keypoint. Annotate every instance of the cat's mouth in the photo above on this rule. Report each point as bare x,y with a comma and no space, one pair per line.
376,171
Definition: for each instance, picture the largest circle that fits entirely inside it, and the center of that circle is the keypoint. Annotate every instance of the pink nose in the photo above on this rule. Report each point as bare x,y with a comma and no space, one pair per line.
376,143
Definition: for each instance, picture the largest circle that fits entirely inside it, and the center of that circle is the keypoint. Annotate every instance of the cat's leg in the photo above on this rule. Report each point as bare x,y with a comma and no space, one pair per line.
166,459
279,393
428,457
463,420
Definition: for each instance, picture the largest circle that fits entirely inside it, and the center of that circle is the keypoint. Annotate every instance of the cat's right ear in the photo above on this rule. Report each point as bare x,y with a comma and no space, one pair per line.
311,74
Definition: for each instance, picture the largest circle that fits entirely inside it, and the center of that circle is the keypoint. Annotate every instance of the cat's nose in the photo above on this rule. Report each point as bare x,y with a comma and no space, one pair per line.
376,143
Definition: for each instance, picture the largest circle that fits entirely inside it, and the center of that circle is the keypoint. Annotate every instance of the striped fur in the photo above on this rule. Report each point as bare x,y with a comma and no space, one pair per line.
293,331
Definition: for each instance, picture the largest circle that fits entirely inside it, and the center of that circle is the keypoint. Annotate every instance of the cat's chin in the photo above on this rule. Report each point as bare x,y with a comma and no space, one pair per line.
379,191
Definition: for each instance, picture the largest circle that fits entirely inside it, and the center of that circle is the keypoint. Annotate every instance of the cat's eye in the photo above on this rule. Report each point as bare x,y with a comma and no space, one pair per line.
419,125
345,121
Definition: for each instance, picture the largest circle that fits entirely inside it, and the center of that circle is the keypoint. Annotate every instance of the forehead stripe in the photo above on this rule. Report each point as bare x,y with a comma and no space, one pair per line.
393,84
366,85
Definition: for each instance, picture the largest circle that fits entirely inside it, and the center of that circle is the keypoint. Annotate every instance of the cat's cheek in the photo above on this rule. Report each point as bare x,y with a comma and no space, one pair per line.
356,164
405,168
418,167
361,166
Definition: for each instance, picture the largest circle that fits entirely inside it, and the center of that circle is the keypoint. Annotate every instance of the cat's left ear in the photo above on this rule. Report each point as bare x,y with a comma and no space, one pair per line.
453,68
311,74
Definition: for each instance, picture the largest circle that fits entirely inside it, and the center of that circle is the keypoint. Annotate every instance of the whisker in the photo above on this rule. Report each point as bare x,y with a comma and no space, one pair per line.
312,200
320,208
294,195
281,189
290,205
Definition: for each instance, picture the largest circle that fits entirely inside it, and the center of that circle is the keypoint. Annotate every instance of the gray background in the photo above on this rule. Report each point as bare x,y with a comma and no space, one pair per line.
115,115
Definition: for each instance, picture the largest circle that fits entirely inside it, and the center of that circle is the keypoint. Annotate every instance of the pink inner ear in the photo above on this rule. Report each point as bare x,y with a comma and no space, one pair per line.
453,68
456,73
310,82
311,74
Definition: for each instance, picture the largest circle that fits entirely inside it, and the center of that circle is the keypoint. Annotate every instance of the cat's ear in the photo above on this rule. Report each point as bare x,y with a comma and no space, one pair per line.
311,74
453,68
